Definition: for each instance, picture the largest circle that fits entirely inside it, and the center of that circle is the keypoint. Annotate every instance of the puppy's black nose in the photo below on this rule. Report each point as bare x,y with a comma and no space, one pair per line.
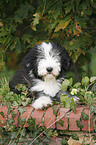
49,69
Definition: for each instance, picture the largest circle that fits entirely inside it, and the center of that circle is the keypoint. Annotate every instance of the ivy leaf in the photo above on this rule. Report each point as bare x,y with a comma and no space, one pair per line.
31,122
84,116
54,110
78,84
21,120
15,104
85,81
64,141
79,124
2,113
65,85
71,81
89,96
68,103
63,98
92,109
92,79
74,136
61,122
21,110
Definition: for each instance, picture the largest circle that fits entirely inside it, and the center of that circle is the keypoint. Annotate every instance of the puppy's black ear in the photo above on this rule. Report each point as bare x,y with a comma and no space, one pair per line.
30,60
66,60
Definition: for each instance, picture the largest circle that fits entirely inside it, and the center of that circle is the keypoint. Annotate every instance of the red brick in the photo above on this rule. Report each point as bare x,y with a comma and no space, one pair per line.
15,116
64,117
38,114
27,114
88,124
2,119
49,118
72,119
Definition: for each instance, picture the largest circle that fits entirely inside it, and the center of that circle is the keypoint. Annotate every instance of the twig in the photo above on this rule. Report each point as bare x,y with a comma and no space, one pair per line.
48,128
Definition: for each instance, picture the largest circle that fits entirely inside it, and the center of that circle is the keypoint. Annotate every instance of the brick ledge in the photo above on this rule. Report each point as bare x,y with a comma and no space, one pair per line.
49,120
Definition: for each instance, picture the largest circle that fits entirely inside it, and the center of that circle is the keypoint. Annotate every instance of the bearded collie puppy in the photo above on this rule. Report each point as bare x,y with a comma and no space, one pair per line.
44,68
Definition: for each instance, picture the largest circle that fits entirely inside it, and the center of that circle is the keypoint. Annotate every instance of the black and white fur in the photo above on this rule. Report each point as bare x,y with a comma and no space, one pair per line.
44,67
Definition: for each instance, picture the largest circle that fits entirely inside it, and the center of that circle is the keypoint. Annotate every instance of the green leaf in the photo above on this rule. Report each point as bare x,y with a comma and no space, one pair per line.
31,122
65,85
71,81
54,110
21,110
61,122
79,124
36,21
84,116
92,79
13,135
78,84
85,81
15,104
63,98
62,25
68,104
21,120
2,113
92,109
89,96
37,18
74,136
64,141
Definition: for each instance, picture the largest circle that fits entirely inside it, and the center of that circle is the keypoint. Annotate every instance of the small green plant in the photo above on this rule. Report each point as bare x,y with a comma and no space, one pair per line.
84,90
74,136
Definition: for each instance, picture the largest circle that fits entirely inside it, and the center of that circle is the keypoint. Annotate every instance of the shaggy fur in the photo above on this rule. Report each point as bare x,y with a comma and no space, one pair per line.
44,67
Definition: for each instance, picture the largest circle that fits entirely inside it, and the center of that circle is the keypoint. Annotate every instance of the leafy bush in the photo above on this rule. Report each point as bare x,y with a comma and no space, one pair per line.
26,23
84,90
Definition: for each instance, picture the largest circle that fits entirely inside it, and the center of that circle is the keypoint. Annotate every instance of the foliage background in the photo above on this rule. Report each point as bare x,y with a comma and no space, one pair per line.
70,23
25,23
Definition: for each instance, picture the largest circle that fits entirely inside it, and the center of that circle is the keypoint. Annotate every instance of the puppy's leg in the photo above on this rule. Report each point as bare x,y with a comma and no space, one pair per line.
41,102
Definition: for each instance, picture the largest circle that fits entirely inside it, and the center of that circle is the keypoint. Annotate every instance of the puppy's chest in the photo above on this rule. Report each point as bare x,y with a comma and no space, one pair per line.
49,87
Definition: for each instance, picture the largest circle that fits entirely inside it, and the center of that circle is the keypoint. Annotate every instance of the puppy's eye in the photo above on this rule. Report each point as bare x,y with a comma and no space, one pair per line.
50,53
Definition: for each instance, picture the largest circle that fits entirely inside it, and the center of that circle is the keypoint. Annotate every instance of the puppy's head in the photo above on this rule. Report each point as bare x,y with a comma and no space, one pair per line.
52,60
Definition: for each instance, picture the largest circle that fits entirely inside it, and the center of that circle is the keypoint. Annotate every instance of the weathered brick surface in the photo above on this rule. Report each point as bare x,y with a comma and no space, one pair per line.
88,124
38,114
64,117
49,118
72,119
27,114
2,119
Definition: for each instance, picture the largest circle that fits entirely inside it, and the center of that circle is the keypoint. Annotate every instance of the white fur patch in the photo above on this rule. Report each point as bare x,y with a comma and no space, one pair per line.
41,102
49,86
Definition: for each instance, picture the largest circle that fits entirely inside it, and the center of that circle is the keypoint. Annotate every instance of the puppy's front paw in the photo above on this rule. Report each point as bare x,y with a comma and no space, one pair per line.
42,102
